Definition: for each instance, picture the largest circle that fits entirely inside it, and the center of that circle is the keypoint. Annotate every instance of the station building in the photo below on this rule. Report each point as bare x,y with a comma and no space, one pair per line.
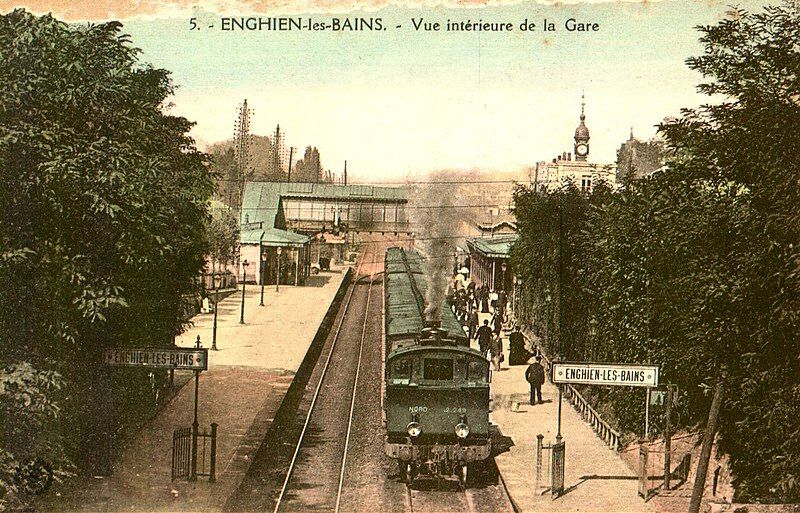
285,226
489,261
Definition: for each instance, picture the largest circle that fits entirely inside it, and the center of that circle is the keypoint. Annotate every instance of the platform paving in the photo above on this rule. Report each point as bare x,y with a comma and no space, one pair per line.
247,379
596,479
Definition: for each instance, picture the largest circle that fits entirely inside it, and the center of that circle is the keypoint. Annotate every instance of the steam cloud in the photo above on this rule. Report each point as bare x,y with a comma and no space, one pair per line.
435,232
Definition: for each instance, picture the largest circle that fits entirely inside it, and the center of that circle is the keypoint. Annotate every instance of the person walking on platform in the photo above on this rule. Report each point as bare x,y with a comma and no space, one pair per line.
501,301
496,348
517,354
535,377
484,298
472,321
497,322
484,336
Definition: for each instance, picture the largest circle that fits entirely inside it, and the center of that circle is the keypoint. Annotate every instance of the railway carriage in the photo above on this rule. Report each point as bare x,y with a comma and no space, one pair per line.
436,388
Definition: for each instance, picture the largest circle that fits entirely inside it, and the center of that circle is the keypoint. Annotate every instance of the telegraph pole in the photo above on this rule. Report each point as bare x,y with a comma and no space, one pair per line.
289,172
345,172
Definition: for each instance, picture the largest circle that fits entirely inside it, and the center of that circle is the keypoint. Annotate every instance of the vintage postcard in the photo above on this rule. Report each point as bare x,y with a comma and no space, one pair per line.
402,256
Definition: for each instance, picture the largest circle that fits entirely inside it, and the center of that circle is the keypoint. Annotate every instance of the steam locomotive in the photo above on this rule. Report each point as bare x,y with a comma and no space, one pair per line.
436,388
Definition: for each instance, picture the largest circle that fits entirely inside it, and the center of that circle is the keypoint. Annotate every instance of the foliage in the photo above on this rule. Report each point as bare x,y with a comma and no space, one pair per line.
697,269
223,235
308,168
29,415
104,199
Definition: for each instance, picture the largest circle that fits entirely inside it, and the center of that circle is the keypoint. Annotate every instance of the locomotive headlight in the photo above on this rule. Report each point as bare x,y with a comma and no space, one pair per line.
414,429
462,430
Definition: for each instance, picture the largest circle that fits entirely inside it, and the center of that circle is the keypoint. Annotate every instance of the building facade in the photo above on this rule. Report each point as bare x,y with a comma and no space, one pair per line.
577,170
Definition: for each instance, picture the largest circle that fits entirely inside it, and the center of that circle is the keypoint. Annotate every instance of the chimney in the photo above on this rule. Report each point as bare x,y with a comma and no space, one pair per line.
569,155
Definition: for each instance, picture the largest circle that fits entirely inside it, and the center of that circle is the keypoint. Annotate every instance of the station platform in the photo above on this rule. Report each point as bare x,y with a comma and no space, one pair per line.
596,479
247,379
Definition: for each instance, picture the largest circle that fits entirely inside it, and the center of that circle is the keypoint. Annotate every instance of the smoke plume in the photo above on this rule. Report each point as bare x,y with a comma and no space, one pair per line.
435,230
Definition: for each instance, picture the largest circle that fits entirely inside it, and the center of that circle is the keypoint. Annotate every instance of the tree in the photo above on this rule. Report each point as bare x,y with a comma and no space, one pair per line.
695,268
308,168
223,236
104,199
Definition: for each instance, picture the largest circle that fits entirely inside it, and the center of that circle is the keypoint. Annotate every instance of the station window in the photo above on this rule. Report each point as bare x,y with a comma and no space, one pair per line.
438,369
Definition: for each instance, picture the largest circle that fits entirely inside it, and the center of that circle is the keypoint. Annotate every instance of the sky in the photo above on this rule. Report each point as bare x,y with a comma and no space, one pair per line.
398,103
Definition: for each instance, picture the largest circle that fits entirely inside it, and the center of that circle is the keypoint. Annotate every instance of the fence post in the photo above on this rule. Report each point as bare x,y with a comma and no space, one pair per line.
643,456
213,464
174,439
557,488
539,438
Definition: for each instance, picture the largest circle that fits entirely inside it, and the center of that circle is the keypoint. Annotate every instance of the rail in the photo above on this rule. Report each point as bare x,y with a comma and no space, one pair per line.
606,433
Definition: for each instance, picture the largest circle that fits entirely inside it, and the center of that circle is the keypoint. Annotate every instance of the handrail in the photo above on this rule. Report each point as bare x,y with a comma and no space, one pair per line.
603,429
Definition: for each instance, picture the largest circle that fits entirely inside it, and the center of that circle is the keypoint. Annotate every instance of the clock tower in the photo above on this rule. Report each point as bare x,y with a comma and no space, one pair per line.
582,137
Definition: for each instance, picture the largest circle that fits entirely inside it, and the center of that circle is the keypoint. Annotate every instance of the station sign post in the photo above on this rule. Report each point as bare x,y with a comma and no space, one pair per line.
193,359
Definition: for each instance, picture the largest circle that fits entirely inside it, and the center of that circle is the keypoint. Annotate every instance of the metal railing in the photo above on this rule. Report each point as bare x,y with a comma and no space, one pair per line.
182,457
603,429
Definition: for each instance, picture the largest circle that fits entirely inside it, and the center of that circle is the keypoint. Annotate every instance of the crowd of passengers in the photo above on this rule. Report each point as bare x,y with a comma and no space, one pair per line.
467,300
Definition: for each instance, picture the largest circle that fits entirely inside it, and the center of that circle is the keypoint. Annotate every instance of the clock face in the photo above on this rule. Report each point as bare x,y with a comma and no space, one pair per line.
582,149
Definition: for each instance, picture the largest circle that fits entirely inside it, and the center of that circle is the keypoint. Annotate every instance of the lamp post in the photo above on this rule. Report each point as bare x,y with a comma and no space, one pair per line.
244,278
503,268
261,262
216,307
278,270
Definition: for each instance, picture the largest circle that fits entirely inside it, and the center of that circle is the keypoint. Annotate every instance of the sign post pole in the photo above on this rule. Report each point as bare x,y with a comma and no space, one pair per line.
647,414
216,307
667,440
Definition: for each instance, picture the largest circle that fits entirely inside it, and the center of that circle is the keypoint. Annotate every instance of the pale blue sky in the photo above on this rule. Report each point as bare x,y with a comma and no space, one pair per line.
401,102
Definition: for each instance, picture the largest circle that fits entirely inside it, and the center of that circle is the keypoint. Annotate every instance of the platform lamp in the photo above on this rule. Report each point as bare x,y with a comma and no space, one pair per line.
278,270
217,282
262,274
503,268
244,279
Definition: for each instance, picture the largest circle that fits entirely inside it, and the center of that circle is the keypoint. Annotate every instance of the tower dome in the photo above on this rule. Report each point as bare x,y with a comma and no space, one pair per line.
582,136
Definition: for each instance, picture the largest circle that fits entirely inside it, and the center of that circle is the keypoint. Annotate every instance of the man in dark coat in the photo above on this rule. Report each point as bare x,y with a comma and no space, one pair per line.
517,354
484,336
535,377
472,322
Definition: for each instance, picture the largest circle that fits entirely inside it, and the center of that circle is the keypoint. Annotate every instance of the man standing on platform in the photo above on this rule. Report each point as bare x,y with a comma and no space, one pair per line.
535,376
484,337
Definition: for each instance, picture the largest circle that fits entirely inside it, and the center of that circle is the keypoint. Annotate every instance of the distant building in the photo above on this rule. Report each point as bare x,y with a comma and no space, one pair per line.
579,171
496,228
288,218
489,261
637,159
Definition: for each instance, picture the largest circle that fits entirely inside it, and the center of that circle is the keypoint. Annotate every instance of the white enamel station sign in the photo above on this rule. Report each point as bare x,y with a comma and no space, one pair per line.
187,359
605,374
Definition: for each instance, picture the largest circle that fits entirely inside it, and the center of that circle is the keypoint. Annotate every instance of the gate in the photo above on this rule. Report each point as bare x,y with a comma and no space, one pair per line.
181,453
207,454
206,457
553,481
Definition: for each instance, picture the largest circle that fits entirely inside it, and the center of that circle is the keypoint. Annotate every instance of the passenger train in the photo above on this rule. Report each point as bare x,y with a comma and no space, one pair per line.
436,388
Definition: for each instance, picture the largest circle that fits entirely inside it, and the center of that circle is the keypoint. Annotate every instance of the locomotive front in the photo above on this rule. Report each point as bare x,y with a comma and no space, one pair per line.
437,407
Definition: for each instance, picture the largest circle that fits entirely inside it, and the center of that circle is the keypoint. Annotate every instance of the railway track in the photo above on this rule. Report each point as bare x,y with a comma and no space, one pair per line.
448,497
315,479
